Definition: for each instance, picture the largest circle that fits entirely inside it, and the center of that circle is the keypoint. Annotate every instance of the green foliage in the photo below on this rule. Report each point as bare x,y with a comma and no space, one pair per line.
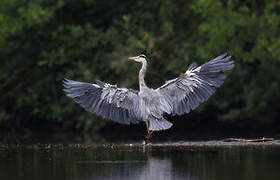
41,42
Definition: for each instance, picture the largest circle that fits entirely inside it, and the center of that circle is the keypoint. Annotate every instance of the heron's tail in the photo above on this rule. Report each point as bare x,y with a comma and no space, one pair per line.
159,124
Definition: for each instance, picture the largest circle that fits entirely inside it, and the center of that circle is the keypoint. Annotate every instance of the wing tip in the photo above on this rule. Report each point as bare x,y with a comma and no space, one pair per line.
192,66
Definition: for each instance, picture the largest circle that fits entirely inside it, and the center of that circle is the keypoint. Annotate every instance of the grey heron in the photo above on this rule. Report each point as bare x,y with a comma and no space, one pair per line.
176,97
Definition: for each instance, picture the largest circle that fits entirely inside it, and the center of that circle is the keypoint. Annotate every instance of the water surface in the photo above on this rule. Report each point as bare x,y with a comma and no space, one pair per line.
81,163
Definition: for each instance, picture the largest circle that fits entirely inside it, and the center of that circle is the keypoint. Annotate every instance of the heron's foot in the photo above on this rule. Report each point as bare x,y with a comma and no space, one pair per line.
147,143
148,137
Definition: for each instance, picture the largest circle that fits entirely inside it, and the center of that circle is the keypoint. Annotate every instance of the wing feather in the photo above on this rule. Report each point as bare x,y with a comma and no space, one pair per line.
105,100
196,85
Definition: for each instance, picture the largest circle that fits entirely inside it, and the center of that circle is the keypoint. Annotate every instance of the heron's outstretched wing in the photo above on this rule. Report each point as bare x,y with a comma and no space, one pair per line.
196,85
117,104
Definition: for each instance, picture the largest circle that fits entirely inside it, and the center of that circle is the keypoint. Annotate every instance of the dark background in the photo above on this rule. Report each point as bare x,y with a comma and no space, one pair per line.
44,41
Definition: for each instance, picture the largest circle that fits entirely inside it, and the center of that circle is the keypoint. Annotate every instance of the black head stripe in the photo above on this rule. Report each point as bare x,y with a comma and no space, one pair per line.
142,56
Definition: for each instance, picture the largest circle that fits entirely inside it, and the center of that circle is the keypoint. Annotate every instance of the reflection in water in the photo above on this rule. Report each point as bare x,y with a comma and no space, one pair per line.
161,169
133,163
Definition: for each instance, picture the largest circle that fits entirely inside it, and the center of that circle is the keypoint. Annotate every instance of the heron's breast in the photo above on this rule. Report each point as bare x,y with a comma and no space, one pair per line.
153,103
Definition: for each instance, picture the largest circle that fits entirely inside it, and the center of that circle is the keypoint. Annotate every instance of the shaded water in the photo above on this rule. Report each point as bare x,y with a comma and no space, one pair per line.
80,163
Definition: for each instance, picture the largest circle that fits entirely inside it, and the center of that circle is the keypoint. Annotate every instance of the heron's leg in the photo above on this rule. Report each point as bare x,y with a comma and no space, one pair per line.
149,132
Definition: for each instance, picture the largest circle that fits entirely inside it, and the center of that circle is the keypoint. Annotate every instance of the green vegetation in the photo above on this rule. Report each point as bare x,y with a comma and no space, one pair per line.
43,41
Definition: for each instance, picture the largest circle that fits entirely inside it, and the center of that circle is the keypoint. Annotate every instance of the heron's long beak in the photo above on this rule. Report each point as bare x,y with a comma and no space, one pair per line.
132,58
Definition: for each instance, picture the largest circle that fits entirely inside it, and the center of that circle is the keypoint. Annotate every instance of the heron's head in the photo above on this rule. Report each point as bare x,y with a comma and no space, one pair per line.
139,58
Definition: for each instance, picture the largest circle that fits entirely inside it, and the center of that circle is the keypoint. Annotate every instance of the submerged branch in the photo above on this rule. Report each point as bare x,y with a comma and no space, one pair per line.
249,140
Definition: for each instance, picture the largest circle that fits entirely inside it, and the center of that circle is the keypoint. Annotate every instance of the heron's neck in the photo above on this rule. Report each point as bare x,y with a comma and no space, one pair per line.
142,72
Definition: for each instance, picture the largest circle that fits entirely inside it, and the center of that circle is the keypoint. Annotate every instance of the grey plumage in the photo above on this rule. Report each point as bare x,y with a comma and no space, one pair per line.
198,83
105,100
175,97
